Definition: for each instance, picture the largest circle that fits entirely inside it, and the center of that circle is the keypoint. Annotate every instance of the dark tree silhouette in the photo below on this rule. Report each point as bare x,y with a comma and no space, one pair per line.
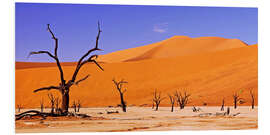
182,99
119,87
222,106
236,99
41,105
57,102
52,101
74,106
157,99
228,111
19,106
252,99
64,86
78,105
172,100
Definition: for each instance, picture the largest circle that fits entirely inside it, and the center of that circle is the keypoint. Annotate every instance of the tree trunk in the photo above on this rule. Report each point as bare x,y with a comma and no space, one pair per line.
172,108
182,106
222,106
123,103
157,106
65,102
252,104
235,103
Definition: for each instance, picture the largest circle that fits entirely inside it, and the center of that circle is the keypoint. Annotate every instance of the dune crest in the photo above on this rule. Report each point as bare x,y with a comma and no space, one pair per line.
172,47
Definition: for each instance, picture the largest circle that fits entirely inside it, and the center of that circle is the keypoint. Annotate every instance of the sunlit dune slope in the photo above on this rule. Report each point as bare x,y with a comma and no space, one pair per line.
175,46
208,77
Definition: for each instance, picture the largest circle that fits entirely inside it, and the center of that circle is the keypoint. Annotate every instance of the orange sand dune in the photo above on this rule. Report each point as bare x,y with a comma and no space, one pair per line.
175,46
208,76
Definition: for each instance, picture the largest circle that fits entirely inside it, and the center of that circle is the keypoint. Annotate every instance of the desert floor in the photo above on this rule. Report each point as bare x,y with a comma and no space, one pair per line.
144,119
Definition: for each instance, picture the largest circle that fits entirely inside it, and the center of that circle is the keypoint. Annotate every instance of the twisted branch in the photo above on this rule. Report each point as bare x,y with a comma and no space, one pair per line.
47,88
90,59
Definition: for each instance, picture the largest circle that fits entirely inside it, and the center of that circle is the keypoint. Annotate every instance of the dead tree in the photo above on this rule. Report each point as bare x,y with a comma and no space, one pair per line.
157,99
52,101
222,106
119,87
41,105
78,105
182,100
228,111
236,99
74,106
19,106
57,102
172,100
64,86
252,99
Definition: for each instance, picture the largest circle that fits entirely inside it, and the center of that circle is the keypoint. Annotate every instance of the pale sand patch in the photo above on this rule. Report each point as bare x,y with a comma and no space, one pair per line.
146,119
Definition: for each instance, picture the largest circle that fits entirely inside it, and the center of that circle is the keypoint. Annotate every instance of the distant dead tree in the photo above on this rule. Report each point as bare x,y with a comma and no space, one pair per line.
228,111
157,99
237,99
52,101
64,86
182,99
19,106
172,100
78,105
194,109
74,106
119,87
222,106
41,105
252,99
57,102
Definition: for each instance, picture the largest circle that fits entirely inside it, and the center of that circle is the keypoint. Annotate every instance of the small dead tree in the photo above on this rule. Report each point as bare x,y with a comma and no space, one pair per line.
41,105
64,85
222,106
237,99
252,99
52,101
78,105
57,102
74,106
182,99
172,100
19,106
119,87
157,99
228,111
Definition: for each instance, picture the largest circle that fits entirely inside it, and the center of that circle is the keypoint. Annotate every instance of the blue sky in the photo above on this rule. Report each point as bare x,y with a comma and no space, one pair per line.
123,26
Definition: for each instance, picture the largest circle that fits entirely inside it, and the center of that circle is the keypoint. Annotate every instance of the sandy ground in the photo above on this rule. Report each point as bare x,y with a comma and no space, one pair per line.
145,119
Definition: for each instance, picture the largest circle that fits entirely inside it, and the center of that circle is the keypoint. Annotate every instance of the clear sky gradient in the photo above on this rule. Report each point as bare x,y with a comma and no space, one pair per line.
123,26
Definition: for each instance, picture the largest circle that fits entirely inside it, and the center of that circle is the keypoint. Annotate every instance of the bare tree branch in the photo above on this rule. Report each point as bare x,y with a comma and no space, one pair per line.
47,88
182,100
40,52
55,55
81,62
121,92
76,83
157,98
